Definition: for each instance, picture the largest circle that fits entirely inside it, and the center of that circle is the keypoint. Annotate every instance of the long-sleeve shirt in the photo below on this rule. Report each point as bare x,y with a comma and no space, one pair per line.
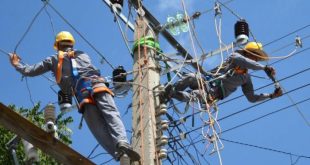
84,67
231,83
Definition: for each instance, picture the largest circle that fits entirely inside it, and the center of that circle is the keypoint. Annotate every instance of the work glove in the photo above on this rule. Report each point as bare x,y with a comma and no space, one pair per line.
15,59
277,93
270,71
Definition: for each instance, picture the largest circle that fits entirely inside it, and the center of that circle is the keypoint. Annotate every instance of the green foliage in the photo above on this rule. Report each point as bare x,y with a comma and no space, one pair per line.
36,116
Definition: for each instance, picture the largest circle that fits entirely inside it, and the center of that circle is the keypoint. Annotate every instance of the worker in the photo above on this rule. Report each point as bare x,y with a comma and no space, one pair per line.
233,73
75,73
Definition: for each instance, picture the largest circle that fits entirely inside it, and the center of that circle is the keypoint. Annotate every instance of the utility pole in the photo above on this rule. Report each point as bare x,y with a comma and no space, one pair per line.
146,104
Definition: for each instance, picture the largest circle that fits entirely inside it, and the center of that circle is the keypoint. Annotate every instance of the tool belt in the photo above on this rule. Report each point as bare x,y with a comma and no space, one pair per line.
86,88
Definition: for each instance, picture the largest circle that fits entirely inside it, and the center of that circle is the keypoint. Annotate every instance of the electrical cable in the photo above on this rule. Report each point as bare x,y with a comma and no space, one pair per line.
297,108
29,26
51,21
266,148
297,30
191,142
103,153
280,80
199,80
250,107
29,92
268,114
4,52
231,11
106,161
20,41
93,150
121,30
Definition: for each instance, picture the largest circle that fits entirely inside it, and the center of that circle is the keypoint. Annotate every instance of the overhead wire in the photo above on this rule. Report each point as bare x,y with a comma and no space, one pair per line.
29,26
114,10
93,150
20,41
280,80
51,21
267,149
106,161
247,108
298,109
268,114
191,141
286,35
230,10
200,81
80,34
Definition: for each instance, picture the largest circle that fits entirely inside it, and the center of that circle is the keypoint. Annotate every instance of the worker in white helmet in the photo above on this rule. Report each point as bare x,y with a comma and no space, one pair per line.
75,73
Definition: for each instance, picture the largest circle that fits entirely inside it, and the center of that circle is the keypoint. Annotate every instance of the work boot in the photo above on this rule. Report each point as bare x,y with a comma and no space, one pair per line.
167,93
125,148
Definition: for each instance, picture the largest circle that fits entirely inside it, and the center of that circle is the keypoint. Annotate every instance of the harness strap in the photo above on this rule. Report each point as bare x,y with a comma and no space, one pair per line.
59,66
61,56
86,87
238,70
103,89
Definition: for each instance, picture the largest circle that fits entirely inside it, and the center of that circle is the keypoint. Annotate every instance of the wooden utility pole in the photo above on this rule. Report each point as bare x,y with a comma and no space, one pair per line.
145,97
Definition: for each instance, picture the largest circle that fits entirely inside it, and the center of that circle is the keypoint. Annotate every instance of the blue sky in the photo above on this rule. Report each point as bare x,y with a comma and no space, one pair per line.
268,20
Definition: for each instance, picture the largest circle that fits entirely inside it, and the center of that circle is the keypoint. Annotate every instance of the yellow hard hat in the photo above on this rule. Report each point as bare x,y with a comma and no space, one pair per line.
257,48
63,36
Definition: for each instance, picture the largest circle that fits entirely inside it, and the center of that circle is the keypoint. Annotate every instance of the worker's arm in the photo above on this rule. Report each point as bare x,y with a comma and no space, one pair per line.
248,91
244,62
31,70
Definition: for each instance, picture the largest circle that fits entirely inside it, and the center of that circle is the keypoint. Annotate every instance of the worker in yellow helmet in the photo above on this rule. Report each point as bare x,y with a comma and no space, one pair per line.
74,71
232,74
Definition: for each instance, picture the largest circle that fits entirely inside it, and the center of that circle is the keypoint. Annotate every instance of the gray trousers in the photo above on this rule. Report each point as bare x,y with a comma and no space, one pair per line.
103,120
190,80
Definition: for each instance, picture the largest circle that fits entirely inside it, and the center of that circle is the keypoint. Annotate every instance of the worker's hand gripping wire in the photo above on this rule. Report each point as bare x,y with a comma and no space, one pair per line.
270,71
14,59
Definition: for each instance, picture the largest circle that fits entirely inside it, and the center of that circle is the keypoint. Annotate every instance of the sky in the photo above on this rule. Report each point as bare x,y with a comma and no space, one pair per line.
285,131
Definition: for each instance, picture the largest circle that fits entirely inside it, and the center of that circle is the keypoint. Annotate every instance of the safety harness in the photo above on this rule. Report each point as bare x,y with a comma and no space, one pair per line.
238,70
216,87
85,87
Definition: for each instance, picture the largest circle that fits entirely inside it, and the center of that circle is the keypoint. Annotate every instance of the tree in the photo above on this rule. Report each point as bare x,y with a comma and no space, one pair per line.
34,115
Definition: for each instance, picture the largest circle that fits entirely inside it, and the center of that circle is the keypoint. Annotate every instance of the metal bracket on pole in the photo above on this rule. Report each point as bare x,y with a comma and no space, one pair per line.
120,15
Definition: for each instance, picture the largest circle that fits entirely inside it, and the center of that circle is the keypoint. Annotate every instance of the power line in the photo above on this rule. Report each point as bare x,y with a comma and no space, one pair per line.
267,149
80,34
237,97
280,80
242,110
235,113
230,10
268,114
279,110
29,26
93,150
273,41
